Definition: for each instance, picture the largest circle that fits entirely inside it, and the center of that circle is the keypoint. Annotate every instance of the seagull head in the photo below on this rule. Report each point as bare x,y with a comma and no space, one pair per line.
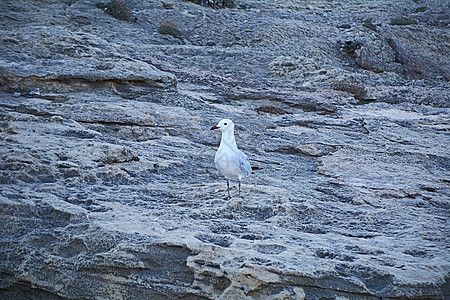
224,125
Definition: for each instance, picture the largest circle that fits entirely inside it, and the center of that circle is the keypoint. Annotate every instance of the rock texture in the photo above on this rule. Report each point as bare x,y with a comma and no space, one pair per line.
108,187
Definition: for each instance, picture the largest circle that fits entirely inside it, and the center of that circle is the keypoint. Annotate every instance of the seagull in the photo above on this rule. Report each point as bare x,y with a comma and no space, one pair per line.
229,160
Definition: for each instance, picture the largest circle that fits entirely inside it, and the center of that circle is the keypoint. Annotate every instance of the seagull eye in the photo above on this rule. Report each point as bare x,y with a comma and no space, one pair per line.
225,124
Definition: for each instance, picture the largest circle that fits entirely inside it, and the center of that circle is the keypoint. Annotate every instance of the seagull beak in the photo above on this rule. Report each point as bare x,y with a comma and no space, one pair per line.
214,127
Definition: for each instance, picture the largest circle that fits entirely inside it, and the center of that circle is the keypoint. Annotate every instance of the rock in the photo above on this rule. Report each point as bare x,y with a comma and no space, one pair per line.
271,110
215,3
68,75
425,57
317,149
378,56
108,186
344,26
293,67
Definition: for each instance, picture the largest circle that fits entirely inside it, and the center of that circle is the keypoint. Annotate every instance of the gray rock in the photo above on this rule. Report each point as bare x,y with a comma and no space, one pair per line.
378,56
68,75
426,57
108,186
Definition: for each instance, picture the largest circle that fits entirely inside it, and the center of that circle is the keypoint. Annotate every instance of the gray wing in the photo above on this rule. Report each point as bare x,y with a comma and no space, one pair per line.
244,164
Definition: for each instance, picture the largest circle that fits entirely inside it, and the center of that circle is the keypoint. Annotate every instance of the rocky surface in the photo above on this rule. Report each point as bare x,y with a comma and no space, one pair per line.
108,189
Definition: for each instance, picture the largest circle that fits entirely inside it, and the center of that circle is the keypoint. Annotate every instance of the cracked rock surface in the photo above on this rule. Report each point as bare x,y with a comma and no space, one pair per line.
107,182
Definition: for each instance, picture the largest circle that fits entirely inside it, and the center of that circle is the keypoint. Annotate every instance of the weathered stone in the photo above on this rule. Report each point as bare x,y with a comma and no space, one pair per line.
378,56
426,57
107,183
69,76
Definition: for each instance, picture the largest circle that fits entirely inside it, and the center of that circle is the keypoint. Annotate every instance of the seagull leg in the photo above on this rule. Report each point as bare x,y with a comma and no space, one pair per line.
239,188
228,188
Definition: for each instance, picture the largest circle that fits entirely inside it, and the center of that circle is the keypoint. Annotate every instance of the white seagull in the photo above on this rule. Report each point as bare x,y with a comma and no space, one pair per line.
230,161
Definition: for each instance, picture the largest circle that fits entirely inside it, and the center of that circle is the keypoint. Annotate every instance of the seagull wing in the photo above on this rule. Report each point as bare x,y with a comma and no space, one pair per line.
244,164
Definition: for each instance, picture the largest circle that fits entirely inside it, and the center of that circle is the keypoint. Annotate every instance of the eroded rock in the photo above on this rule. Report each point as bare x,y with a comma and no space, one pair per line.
108,188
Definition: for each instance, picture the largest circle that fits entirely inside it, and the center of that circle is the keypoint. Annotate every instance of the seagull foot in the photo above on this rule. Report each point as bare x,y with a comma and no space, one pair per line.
227,198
